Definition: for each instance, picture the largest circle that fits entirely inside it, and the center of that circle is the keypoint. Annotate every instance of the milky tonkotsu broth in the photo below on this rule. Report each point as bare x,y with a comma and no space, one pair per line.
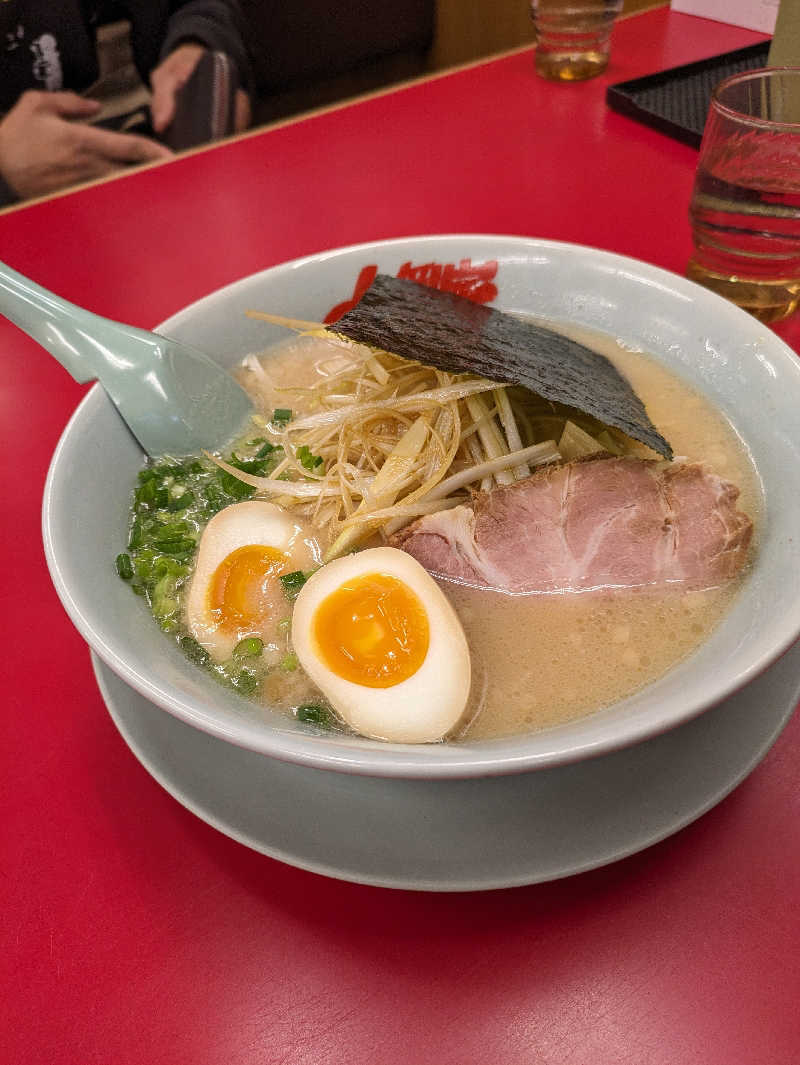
542,660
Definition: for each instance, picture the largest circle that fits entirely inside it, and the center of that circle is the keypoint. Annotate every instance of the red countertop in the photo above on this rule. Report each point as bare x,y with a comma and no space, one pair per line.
134,933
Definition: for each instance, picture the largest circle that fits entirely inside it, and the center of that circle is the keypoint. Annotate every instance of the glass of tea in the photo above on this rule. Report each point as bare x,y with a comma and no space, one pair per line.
745,206
573,37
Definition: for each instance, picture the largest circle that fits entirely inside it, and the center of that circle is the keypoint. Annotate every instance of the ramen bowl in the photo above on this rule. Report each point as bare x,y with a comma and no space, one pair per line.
719,350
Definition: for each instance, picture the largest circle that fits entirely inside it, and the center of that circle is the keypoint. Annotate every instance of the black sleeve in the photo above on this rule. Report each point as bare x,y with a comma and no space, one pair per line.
217,24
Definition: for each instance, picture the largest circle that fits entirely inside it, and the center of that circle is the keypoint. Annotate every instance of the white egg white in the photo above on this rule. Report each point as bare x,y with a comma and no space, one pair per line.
420,709
255,522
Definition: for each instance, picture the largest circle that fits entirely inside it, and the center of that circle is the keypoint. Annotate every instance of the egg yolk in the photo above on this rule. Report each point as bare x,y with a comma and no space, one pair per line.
373,630
239,595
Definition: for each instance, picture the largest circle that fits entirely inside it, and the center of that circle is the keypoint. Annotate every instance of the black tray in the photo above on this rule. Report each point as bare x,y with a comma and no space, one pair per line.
676,101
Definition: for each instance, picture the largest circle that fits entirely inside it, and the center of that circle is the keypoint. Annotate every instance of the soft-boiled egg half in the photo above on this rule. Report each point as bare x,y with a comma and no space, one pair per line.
376,634
235,589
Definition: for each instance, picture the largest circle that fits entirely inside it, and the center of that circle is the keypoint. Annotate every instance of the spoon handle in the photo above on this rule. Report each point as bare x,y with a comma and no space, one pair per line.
84,343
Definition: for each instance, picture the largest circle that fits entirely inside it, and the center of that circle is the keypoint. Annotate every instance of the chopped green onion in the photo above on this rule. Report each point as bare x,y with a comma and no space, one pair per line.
281,415
179,548
163,566
289,663
258,467
314,714
267,449
164,608
151,494
249,647
234,487
135,535
292,583
170,530
124,566
283,624
144,567
163,598
214,497
147,492
256,441
307,460
193,651
245,681
182,501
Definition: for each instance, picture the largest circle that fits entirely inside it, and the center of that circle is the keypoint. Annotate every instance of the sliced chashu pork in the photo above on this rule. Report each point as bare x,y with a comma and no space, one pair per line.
606,522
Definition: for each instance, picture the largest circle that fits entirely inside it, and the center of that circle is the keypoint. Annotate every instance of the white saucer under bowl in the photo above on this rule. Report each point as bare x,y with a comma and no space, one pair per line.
467,835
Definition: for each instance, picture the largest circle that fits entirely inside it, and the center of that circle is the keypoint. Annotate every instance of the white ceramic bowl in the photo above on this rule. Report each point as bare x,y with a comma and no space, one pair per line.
737,362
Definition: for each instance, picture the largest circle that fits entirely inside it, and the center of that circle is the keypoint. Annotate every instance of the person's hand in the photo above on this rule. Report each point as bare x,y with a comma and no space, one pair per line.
42,149
167,78
171,75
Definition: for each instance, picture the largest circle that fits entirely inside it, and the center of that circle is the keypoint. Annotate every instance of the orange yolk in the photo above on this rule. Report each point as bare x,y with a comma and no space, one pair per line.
238,593
373,630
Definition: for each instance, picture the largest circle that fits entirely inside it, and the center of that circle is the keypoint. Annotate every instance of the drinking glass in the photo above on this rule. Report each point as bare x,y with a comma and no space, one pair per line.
745,206
573,37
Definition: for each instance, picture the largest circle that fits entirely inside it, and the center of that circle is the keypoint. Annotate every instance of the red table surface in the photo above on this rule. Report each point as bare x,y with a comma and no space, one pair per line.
132,932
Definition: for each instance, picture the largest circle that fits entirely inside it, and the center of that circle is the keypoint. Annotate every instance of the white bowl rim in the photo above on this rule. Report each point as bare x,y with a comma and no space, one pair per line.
454,761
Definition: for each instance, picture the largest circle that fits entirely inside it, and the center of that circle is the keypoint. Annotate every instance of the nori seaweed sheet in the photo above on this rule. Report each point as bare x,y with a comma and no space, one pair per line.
459,336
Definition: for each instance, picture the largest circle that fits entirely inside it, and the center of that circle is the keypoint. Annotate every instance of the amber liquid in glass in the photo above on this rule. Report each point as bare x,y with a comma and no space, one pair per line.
572,37
747,244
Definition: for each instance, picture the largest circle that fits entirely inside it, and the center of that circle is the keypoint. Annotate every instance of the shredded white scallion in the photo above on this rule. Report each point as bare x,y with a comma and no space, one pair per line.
396,439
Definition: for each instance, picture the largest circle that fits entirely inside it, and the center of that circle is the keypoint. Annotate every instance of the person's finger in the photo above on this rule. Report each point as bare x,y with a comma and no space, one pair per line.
68,104
162,105
123,147
166,81
242,110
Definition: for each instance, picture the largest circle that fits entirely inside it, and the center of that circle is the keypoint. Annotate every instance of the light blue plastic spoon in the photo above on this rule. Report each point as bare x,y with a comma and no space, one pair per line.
174,399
